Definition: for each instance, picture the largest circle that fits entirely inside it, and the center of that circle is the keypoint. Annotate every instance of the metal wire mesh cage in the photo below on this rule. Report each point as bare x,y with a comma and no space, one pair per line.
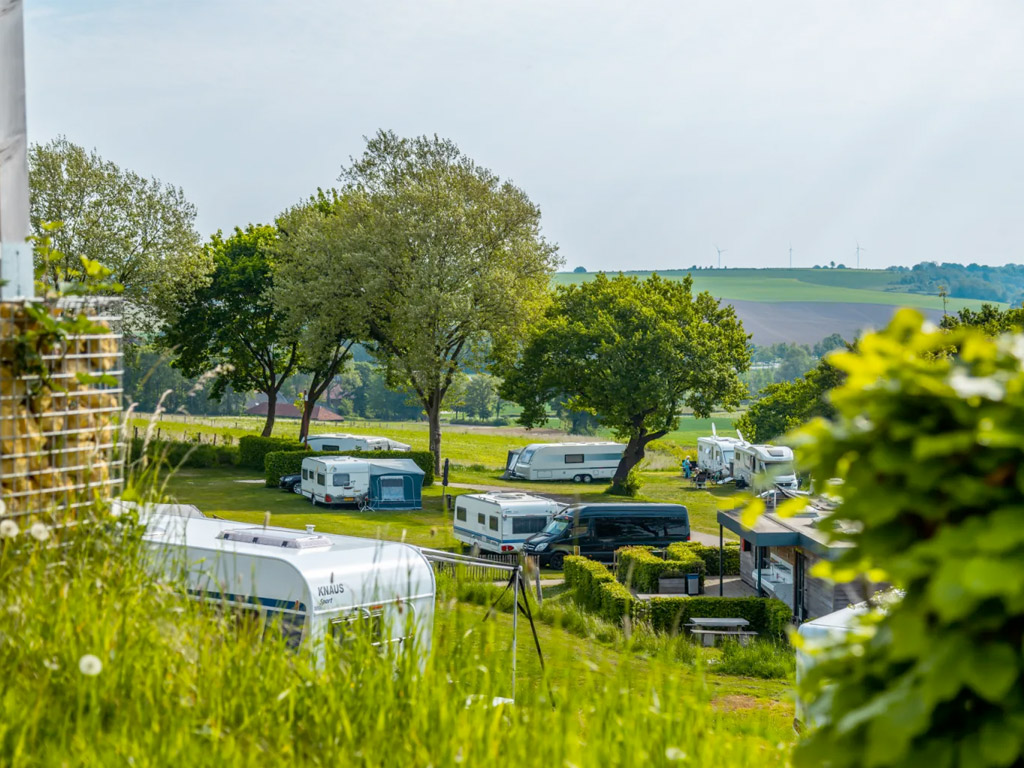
60,408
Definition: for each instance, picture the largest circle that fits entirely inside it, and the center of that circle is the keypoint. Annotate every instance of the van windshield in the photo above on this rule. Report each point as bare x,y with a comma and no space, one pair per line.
778,468
556,526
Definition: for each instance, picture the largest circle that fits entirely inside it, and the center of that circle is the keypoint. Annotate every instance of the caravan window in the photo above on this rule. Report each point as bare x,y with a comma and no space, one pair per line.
574,458
290,626
481,518
304,475
494,522
326,447
340,479
525,456
321,478
528,524
460,513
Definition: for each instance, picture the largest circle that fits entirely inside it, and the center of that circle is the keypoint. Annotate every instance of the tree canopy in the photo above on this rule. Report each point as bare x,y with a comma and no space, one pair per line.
229,328
454,267
633,353
989,319
141,229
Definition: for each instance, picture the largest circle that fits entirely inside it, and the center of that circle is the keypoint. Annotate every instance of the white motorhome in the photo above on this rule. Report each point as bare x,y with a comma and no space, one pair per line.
500,522
344,442
579,462
365,482
308,585
762,467
715,454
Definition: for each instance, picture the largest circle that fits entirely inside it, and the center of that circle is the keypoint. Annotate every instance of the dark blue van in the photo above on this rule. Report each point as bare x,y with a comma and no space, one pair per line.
600,529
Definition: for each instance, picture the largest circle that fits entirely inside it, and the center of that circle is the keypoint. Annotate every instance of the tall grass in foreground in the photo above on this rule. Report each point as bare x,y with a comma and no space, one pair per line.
106,665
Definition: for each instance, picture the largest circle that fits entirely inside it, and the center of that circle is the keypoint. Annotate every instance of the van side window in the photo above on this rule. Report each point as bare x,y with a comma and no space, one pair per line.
321,478
607,528
460,513
574,458
340,479
528,524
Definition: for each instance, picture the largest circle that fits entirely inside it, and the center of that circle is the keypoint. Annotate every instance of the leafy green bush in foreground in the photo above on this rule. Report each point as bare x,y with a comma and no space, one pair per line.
104,665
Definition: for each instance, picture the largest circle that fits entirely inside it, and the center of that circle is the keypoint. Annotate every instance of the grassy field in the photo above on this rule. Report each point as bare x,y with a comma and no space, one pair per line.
818,285
464,445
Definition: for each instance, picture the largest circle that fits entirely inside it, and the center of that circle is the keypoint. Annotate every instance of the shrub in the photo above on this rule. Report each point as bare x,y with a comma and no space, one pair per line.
192,455
252,449
640,568
682,550
768,618
631,486
280,463
586,576
616,601
767,659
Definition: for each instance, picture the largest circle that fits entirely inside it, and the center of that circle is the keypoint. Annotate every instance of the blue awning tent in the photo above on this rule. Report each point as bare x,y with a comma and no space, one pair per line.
395,484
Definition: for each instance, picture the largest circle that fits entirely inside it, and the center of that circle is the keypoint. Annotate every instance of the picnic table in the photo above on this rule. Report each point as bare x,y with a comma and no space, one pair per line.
710,629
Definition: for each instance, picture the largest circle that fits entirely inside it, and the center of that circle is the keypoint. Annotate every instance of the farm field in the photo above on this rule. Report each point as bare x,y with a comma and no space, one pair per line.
839,286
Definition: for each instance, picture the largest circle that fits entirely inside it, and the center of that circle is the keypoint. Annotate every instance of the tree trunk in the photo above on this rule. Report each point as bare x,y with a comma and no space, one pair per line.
434,417
268,427
307,415
632,456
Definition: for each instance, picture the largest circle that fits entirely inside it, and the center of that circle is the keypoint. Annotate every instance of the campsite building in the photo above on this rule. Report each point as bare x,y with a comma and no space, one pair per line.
777,554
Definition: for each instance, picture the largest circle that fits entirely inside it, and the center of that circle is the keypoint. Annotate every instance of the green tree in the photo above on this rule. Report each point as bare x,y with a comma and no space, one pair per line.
826,345
930,449
141,229
989,319
788,404
326,316
481,396
455,266
632,352
229,328
796,360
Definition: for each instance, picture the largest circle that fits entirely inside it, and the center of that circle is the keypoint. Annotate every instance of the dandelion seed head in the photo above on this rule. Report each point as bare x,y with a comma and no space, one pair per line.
8,529
90,665
674,754
39,531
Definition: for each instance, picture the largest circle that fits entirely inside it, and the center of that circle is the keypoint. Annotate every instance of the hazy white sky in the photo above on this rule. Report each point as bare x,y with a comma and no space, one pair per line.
648,132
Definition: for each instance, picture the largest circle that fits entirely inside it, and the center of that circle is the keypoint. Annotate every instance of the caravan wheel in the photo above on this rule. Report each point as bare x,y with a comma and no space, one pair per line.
577,478
587,478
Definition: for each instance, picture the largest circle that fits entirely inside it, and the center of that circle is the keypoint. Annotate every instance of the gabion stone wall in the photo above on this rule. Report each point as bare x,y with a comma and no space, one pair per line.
60,411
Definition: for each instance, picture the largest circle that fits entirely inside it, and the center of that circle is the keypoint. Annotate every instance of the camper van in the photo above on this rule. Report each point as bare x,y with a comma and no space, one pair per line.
501,522
579,462
340,442
597,530
762,467
715,454
367,483
305,584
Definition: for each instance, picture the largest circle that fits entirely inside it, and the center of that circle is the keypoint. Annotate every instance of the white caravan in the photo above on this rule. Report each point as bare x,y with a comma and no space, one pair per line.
715,454
579,462
501,522
309,586
762,467
342,442
335,479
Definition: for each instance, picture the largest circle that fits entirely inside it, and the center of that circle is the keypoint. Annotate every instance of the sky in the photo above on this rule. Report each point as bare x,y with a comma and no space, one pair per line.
649,133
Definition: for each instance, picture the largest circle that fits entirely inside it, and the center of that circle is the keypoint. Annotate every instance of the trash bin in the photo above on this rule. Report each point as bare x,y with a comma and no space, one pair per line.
693,583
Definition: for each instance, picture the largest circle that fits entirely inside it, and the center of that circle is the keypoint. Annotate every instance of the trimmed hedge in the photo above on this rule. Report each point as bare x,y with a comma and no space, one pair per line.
252,449
287,462
683,550
185,454
767,617
616,601
586,576
640,568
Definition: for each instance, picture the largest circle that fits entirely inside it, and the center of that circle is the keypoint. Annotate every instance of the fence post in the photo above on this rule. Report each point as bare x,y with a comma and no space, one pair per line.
536,574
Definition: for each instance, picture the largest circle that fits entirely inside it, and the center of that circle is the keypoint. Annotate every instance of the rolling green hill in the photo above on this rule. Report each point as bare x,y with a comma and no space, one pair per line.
770,286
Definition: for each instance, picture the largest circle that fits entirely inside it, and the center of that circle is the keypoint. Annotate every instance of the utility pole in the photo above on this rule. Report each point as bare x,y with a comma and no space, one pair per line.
15,253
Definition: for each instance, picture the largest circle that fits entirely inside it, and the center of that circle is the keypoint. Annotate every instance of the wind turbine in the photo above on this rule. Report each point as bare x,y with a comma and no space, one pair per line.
790,255
720,252
859,249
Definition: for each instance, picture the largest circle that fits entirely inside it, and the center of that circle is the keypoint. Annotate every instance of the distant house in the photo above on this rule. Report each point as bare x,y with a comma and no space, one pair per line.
289,411
777,554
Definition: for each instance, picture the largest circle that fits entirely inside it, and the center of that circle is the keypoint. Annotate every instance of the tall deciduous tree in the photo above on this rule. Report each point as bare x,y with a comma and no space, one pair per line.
141,229
632,352
230,328
455,266
317,290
